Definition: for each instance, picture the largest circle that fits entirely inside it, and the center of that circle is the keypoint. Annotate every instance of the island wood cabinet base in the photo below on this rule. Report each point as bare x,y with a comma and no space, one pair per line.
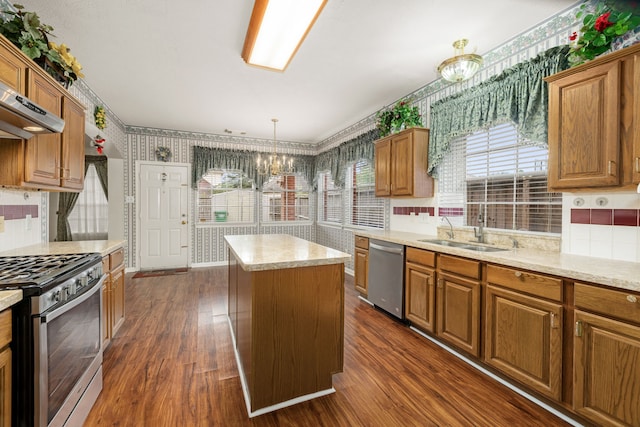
288,331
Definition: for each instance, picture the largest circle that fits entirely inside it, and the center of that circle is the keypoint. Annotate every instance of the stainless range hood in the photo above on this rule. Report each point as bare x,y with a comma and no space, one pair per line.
22,118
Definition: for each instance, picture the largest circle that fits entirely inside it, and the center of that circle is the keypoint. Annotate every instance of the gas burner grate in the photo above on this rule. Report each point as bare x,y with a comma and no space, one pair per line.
36,268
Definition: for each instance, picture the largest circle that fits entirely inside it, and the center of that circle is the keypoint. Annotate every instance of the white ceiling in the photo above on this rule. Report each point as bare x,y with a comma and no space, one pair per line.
176,65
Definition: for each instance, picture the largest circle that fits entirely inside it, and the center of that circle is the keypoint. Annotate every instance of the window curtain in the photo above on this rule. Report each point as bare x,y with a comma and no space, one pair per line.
67,200
338,159
205,159
518,95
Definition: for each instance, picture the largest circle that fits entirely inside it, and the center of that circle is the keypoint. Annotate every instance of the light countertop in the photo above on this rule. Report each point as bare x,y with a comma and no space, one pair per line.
103,247
277,251
9,298
616,274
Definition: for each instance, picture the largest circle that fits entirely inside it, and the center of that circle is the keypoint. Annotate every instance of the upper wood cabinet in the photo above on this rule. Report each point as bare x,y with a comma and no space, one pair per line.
594,134
49,161
401,164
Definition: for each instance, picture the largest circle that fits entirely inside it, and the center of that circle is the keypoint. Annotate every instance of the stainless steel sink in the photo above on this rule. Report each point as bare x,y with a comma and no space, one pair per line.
463,245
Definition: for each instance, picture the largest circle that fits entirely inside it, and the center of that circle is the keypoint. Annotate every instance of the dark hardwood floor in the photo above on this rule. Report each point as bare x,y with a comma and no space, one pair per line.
172,364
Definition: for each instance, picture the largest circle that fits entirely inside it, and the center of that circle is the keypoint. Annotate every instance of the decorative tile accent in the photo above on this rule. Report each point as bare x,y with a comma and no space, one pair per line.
581,216
18,211
408,210
628,217
621,217
601,216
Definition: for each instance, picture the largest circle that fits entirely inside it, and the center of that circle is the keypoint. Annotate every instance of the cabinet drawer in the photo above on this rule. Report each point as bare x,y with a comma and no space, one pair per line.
5,328
362,242
105,264
619,304
422,257
463,266
116,258
530,283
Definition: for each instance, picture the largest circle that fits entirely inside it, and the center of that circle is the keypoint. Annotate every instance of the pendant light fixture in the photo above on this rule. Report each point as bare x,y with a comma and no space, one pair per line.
462,66
274,165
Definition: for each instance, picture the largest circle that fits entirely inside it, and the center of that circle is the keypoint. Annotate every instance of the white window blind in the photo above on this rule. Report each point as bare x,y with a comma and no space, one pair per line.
495,172
285,198
225,196
329,200
362,207
89,219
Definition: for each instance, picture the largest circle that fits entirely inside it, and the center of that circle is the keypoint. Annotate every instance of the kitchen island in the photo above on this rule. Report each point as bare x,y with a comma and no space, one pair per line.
286,312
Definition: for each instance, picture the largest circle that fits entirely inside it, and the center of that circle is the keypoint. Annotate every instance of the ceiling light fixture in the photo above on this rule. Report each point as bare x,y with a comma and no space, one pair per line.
462,66
277,29
275,166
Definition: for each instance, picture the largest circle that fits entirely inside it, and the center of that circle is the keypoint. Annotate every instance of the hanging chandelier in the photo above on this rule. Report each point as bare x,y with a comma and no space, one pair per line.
462,66
275,165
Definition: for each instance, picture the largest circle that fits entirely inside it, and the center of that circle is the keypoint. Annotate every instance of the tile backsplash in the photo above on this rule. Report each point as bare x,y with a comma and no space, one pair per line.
602,225
22,214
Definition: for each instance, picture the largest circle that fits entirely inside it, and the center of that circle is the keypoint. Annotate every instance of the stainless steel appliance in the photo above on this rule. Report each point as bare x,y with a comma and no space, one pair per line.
57,348
386,277
22,118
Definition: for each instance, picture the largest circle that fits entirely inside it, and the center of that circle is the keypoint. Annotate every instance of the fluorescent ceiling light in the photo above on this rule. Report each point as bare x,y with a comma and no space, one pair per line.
277,29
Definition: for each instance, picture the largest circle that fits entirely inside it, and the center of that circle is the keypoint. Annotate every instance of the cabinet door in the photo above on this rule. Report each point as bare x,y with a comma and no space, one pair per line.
420,296
12,70
523,339
361,270
118,300
42,158
5,387
72,145
458,310
383,167
606,370
402,165
632,125
584,117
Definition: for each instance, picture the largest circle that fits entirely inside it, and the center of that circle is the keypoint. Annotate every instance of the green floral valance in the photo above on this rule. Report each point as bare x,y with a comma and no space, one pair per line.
337,159
205,159
518,95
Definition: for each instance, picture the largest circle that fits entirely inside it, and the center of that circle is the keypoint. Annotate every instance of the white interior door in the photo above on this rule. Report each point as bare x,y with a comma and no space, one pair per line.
163,216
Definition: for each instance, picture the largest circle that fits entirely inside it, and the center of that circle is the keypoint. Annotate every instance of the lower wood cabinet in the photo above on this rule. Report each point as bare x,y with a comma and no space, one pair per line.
607,356
113,295
5,368
523,339
361,264
458,303
420,289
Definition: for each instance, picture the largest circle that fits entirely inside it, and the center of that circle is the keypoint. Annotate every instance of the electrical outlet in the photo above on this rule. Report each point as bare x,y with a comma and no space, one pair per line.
1,224
129,199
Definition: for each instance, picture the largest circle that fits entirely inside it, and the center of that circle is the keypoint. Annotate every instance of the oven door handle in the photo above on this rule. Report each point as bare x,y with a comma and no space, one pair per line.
76,302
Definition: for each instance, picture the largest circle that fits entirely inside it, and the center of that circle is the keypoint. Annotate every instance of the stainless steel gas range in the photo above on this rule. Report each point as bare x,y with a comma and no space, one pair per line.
57,353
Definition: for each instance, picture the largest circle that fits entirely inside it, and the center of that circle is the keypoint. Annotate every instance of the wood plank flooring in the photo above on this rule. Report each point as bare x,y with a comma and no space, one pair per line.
172,364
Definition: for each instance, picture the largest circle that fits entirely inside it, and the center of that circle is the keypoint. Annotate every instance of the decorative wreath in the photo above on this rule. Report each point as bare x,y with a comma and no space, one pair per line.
163,153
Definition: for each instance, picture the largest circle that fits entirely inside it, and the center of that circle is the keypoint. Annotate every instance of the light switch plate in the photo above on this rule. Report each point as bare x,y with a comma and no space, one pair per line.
1,224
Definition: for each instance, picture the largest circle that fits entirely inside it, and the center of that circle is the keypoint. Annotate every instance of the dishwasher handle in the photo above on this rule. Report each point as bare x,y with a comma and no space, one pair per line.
386,248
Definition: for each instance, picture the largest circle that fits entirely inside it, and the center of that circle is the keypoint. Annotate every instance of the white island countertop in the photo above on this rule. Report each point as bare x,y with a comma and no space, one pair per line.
257,252
9,298
103,247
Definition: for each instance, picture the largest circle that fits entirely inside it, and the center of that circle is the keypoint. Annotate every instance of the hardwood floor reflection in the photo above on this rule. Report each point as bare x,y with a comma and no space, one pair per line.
172,364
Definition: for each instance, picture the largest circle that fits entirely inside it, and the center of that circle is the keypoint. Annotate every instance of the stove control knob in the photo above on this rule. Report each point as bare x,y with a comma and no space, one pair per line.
55,297
66,293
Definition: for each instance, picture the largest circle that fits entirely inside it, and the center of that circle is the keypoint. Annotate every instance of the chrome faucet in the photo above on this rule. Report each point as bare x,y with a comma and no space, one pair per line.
479,232
450,232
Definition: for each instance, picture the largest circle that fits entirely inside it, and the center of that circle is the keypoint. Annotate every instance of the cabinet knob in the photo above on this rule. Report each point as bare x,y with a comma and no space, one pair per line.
518,273
632,298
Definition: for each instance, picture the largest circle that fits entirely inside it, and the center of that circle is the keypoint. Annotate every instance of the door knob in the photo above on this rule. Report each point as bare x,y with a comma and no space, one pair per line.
184,222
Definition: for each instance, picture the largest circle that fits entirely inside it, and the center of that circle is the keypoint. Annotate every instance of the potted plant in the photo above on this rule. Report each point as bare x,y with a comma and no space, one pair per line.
600,28
26,31
401,116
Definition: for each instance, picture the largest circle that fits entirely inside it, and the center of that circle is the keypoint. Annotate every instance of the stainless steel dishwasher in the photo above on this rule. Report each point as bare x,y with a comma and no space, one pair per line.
386,277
